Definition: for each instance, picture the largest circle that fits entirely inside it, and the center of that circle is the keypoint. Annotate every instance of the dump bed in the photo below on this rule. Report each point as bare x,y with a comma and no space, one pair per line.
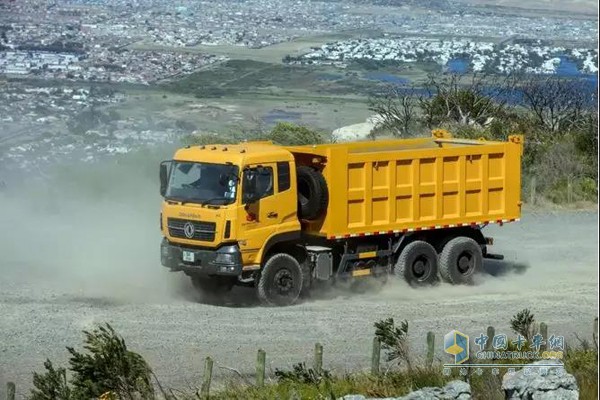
378,187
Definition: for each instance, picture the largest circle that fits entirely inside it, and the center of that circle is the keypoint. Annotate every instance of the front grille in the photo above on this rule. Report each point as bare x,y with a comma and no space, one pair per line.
203,230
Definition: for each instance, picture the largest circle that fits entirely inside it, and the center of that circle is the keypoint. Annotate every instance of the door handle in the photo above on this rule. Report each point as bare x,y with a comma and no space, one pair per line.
272,215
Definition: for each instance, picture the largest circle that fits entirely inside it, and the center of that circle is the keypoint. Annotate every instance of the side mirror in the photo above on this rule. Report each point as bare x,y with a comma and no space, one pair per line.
165,168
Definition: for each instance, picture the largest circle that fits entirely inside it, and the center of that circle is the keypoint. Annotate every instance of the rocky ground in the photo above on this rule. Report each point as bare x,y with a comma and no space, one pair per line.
81,247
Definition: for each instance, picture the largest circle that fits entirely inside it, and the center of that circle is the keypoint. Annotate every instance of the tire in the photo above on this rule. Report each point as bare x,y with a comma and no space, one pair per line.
313,195
418,264
280,282
460,259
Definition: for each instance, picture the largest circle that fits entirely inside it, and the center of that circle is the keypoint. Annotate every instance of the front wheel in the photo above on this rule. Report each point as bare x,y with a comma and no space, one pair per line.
460,259
280,282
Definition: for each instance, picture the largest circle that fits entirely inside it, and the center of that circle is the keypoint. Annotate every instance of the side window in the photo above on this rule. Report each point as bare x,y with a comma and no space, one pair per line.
257,183
264,183
283,176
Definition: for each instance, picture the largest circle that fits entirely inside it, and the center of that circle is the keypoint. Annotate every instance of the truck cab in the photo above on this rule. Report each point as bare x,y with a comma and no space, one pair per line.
223,205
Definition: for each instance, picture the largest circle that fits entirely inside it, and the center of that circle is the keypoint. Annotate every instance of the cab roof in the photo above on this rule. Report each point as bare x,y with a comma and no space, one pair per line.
239,154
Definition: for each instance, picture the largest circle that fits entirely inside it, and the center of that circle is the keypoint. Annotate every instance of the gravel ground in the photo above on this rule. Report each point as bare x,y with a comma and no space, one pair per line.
79,253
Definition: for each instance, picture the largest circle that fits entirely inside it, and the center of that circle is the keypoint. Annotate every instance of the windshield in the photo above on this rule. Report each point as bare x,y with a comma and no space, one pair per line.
202,183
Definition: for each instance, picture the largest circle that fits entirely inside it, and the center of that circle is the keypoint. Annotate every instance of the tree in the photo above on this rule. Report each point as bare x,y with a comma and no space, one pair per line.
557,104
396,108
474,102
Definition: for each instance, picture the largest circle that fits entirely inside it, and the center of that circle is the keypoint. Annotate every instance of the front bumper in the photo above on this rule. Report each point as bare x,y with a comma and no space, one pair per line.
225,260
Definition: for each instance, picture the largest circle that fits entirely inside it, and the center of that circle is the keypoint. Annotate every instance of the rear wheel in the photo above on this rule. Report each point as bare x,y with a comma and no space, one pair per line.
460,259
280,282
418,264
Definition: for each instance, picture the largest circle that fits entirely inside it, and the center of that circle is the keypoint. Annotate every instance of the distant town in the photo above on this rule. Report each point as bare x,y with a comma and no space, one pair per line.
141,41
532,57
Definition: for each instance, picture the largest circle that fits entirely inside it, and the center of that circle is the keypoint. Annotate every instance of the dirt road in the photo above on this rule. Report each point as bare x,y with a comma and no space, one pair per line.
82,248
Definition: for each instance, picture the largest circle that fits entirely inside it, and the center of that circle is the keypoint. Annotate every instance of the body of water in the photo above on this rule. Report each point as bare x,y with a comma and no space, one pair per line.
329,77
387,78
458,66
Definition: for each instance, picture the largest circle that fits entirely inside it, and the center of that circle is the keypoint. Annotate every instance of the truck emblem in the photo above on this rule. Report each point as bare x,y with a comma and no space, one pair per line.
189,230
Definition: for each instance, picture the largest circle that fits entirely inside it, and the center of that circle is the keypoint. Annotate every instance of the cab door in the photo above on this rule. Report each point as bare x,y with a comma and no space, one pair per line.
274,209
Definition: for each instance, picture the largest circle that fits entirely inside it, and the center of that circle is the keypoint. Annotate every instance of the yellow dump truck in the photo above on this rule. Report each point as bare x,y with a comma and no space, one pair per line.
281,218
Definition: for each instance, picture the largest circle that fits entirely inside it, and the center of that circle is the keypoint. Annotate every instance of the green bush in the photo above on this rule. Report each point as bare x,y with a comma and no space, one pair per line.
581,189
523,323
51,385
583,364
394,340
107,367
301,374
205,139
286,133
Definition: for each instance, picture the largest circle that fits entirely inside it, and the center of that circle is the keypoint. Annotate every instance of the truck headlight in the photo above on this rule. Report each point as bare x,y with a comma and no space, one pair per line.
225,258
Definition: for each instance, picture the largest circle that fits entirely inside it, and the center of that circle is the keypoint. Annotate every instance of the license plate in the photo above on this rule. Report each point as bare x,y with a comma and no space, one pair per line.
188,256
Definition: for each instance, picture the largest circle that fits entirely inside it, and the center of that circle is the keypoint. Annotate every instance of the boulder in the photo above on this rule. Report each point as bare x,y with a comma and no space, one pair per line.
542,383
455,390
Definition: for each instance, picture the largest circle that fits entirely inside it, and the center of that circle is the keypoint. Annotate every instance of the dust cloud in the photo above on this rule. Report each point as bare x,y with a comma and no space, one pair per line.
90,231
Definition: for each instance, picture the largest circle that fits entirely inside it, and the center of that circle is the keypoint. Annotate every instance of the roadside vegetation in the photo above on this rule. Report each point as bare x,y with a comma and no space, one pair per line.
108,369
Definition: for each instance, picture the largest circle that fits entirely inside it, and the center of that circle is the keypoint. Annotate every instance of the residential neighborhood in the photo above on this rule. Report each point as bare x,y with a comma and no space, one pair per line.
478,56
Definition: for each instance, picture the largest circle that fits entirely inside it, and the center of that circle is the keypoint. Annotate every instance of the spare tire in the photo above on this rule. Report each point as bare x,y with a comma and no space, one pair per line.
313,195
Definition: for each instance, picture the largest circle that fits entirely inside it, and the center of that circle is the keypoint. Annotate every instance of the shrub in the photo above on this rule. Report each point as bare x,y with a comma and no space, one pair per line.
394,340
523,323
286,133
51,385
583,364
107,367
301,374
205,139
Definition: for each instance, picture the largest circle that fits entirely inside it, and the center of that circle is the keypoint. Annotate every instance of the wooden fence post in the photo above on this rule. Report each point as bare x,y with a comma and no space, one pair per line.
318,358
375,356
10,391
569,190
491,332
430,348
595,334
544,333
260,367
532,190
208,367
